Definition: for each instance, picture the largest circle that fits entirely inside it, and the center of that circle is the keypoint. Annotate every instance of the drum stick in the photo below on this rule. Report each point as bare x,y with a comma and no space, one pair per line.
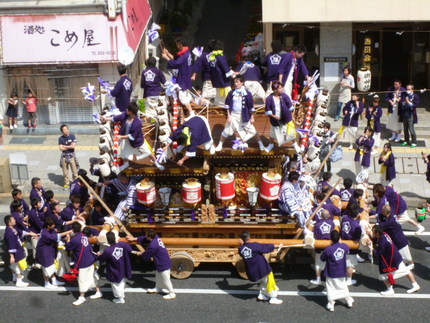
327,157
322,202
122,226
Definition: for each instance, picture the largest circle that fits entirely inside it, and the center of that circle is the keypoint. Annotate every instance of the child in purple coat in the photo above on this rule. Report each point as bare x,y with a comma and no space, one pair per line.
364,150
14,238
388,165
258,268
373,116
351,113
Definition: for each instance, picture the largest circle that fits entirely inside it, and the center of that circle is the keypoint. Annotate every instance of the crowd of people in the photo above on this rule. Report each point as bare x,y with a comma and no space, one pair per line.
369,214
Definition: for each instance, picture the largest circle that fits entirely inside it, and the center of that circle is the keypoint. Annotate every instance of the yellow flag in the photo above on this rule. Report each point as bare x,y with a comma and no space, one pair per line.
271,283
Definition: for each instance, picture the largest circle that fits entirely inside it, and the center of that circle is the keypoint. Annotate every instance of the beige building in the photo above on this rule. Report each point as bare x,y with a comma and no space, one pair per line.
391,37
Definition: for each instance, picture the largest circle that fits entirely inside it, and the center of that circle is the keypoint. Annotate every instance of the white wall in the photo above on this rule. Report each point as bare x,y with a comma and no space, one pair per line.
291,11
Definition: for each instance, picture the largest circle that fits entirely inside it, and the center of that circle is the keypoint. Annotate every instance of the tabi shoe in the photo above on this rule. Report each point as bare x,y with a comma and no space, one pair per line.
262,297
36,266
275,301
21,283
159,166
359,259
79,301
218,148
170,296
388,292
393,136
50,286
55,282
427,248
315,281
349,302
421,229
330,307
270,147
350,281
415,287
350,147
153,290
10,127
96,295
212,150
119,300
398,138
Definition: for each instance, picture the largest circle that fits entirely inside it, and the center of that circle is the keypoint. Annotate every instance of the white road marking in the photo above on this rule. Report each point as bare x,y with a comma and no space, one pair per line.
215,292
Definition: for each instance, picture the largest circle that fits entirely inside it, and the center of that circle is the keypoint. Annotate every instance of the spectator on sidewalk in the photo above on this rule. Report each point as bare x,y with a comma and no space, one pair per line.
31,105
393,98
122,90
373,116
67,144
351,114
12,110
408,114
346,85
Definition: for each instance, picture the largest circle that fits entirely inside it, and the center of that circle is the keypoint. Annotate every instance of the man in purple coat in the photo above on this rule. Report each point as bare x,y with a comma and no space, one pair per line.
201,64
46,252
322,230
393,228
391,265
14,238
335,257
252,76
240,115
20,216
133,143
84,258
398,205
192,134
409,102
158,252
220,72
258,268
351,230
117,259
183,64
122,90
292,67
17,195
152,82
272,61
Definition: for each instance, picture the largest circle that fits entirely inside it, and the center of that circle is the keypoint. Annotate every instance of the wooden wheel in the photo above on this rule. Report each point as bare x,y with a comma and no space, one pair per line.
241,268
182,265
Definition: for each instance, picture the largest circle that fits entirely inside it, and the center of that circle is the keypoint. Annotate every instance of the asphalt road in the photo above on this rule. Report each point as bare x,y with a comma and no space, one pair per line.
215,293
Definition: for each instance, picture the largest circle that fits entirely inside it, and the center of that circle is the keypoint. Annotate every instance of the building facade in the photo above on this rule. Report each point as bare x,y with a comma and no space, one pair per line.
55,47
390,37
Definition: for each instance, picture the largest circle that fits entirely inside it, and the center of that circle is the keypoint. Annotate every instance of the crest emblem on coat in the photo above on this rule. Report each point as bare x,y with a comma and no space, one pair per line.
161,244
275,59
127,85
346,227
246,253
325,228
149,76
84,241
117,253
339,254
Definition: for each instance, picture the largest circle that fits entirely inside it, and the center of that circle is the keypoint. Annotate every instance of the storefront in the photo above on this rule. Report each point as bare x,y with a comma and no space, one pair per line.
54,55
390,37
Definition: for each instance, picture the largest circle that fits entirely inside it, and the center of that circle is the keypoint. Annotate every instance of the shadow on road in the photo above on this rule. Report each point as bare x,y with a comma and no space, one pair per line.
56,179
225,286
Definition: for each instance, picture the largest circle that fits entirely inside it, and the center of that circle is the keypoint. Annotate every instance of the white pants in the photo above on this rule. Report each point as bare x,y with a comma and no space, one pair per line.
359,168
49,271
128,152
337,289
319,264
87,279
269,88
263,288
208,91
63,261
15,269
33,241
162,280
403,217
288,88
402,271
256,90
118,289
185,97
246,130
405,252
151,106
351,134
377,138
